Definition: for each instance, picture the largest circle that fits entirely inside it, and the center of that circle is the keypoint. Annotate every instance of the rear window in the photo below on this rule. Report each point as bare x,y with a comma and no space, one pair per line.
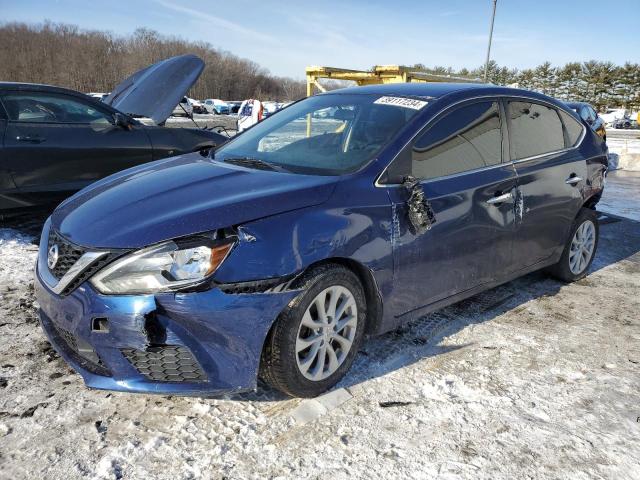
535,129
573,128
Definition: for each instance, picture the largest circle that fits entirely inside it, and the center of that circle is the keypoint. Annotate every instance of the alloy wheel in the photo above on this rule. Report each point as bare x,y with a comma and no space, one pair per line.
326,333
582,247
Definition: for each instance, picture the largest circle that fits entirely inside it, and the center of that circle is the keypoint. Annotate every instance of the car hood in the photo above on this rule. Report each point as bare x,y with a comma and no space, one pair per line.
178,197
155,91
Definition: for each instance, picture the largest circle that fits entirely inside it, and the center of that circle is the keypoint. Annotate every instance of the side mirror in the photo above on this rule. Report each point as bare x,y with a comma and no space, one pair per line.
421,215
121,120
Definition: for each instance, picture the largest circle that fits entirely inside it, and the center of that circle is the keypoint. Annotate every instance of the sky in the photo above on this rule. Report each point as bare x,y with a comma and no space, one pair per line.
286,36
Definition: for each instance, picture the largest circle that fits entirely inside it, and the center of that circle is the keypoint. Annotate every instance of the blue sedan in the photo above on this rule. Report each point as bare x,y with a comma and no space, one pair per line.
344,215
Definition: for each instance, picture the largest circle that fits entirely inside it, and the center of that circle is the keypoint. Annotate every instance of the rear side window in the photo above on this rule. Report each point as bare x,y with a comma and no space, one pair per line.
468,138
573,128
51,108
584,113
535,129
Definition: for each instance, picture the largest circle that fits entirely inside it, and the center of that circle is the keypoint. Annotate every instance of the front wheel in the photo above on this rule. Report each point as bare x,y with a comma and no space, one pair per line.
315,339
580,248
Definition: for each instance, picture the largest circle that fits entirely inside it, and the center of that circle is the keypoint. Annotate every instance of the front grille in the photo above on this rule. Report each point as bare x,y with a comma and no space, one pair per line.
68,253
82,352
88,272
168,363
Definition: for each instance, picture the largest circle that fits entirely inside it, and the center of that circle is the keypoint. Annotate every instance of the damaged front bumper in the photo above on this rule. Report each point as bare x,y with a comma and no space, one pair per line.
197,343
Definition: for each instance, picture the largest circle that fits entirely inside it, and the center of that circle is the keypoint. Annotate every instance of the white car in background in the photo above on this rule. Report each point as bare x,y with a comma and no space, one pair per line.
184,108
270,108
198,106
99,96
216,106
612,115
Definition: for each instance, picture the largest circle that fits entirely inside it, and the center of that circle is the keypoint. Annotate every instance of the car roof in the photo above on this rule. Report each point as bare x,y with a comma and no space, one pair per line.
439,90
432,90
37,87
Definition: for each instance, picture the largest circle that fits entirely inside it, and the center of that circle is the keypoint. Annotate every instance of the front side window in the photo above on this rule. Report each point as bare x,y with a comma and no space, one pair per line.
465,139
323,135
51,108
534,129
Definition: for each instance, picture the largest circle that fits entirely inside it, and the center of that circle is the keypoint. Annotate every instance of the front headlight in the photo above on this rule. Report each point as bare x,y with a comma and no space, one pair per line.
164,267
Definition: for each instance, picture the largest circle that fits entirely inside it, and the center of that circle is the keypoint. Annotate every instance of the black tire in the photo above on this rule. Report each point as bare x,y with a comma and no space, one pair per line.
279,366
562,269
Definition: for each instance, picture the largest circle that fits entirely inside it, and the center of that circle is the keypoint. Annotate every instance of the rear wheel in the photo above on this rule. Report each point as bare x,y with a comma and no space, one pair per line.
580,249
314,341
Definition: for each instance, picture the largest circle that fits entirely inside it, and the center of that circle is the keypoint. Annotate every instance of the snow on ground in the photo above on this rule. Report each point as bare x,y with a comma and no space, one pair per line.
533,379
624,149
622,194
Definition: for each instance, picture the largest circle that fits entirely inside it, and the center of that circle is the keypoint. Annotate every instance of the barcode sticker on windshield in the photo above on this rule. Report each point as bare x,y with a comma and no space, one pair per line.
402,102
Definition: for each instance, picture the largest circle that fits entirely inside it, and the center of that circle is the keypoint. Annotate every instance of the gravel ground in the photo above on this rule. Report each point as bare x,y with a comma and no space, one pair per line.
533,379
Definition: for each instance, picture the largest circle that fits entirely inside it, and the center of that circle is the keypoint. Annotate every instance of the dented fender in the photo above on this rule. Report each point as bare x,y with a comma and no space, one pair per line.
286,244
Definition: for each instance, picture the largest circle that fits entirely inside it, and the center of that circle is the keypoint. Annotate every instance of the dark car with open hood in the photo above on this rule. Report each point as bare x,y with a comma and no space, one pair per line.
343,215
55,141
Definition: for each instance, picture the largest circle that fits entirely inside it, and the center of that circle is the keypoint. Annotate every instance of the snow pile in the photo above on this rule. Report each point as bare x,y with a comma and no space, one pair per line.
624,152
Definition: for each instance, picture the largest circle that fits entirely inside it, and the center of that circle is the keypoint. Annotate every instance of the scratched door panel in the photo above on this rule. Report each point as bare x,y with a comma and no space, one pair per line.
544,161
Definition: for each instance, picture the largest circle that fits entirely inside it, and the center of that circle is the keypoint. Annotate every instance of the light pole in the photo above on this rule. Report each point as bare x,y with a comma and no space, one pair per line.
486,65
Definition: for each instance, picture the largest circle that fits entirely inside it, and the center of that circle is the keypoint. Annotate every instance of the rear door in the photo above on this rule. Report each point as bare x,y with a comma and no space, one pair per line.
458,161
551,176
58,142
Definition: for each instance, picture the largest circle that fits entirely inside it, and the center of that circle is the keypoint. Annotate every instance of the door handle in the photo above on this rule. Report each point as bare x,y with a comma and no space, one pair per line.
572,180
29,139
505,197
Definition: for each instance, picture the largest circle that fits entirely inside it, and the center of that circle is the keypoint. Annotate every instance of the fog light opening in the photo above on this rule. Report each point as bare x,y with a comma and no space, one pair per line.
100,324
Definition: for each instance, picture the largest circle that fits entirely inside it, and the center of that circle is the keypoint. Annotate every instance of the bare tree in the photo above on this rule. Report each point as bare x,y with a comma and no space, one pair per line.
94,61
86,60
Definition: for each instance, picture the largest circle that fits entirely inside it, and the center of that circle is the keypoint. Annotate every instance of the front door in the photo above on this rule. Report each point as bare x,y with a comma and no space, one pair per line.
458,162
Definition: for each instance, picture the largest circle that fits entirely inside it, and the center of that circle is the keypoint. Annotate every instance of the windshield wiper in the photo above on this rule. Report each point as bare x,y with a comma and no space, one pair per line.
253,163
